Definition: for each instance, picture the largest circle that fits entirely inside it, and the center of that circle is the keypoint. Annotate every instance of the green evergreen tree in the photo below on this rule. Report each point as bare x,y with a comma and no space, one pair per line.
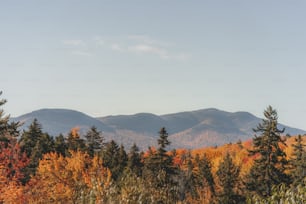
47,143
228,176
134,163
160,160
122,160
159,170
8,130
32,136
163,141
34,143
60,145
36,155
298,162
187,178
94,141
4,120
114,158
205,173
269,168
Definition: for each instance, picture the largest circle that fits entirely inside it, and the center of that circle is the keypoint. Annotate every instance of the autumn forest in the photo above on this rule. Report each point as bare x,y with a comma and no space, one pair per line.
38,168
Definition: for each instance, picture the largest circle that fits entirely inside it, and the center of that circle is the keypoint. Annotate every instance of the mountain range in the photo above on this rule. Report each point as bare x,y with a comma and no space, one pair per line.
190,129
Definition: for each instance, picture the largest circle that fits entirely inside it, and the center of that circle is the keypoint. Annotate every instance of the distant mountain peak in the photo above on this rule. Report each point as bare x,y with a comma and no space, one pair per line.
56,121
189,129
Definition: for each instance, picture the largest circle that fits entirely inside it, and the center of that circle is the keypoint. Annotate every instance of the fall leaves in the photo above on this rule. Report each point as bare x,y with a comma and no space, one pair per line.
12,161
64,179
74,179
81,178
40,169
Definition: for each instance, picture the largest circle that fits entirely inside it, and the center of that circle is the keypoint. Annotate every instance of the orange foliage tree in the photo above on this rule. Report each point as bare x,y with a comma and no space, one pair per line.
12,161
74,179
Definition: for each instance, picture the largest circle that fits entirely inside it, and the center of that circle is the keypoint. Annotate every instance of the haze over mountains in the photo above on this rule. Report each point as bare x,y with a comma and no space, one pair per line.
193,129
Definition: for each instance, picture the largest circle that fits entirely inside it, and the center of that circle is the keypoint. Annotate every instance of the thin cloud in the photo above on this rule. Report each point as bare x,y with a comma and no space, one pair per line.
143,44
149,49
134,44
81,53
99,41
117,47
74,42
148,40
182,57
162,52
141,38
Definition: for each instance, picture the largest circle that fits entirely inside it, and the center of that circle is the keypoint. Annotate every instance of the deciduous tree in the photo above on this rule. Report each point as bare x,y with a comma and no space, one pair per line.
12,161
74,179
74,141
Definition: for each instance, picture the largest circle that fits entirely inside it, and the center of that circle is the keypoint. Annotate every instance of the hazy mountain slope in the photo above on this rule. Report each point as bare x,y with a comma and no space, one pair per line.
207,127
207,118
56,121
142,123
193,129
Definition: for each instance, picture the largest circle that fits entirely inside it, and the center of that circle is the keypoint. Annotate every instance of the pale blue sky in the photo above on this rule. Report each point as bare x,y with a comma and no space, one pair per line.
124,57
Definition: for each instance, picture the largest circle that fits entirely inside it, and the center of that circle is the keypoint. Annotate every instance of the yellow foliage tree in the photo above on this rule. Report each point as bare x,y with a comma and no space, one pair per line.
74,179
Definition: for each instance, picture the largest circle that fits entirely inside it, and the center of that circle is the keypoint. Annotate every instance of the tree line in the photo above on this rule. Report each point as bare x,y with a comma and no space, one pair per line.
38,168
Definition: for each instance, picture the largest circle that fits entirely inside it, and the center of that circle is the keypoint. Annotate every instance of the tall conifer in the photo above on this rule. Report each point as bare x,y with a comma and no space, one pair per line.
298,162
205,173
269,167
134,163
8,130
94,141
228,176
35,143
159,170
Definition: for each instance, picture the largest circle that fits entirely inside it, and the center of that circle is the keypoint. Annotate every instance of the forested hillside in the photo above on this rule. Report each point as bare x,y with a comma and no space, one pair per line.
37,168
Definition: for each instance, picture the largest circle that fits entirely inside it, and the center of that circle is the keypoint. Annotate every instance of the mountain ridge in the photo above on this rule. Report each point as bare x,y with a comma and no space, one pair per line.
187,129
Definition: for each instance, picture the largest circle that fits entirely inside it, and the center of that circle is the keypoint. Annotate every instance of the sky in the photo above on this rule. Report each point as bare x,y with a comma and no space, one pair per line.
162,56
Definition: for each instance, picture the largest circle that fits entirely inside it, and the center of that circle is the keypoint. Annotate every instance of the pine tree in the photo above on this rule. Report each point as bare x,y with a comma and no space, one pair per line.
47,143
32,136
122,160
228,176
163,141
34,143
60,145
187,178
269,167
94,141
3,119
134,163
160,160
159,169
298,162
164,160
8,130
114,158
205,173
